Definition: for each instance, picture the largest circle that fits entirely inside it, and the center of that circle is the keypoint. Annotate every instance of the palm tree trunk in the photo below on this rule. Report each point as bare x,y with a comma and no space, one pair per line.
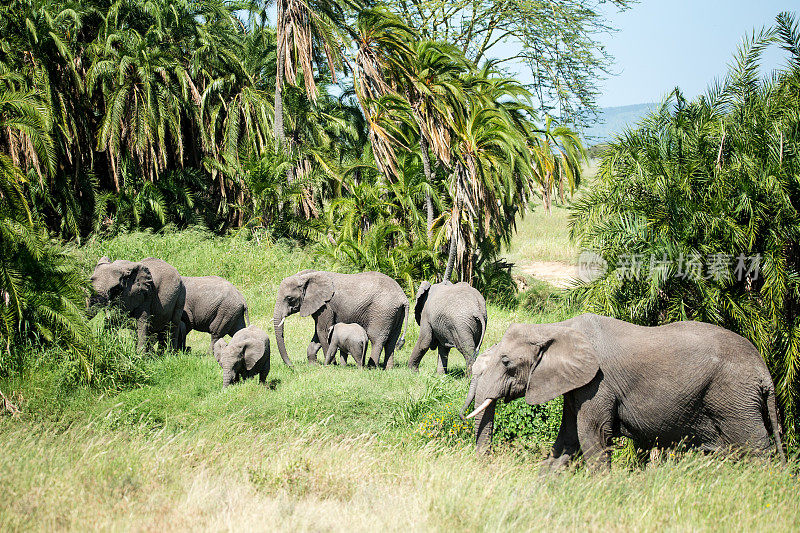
451,256
426,166
280,136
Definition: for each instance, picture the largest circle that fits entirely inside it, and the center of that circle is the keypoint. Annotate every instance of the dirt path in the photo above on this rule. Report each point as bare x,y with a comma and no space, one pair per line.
553,272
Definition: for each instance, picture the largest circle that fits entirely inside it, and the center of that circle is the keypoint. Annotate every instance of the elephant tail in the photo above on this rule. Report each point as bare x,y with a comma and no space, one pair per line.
246,316
769,396
482,320
402,340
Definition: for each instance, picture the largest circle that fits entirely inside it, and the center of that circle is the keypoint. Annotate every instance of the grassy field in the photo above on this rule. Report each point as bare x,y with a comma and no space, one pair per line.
543,237
321,448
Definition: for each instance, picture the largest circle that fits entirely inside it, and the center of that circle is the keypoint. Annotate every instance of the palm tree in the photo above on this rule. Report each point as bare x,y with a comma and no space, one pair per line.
557,154
41,285
713,180
309,33
491,175
434,91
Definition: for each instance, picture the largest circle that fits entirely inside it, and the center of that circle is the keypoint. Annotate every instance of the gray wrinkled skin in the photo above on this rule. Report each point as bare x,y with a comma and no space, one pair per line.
151,291
449,316
685,382
247,355
213,305
347,339
370,299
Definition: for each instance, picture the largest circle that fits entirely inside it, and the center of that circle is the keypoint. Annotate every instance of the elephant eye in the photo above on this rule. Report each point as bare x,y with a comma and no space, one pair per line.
505,360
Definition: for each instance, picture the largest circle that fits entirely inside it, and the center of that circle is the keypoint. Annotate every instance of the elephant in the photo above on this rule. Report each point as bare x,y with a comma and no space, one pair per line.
245,356
684,382
213,305
347,339
151,291
449,316
370,299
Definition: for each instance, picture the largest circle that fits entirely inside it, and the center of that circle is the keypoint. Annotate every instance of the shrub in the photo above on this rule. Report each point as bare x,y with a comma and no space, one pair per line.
444,423
684,203
518,421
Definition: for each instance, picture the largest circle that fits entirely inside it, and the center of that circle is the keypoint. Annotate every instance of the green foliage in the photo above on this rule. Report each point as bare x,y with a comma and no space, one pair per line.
537,424
694,187
541,297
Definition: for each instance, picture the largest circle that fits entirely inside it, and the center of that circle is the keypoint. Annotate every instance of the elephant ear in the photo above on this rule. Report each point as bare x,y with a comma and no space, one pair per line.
567,360
318,292
422,297
253,352
219,346
138,283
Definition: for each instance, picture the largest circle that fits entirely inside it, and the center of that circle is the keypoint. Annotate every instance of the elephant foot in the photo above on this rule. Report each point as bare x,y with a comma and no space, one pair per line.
554,464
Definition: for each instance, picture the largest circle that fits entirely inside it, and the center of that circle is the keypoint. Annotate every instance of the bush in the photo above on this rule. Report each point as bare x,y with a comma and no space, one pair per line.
444,423
541,297
695,212
536,424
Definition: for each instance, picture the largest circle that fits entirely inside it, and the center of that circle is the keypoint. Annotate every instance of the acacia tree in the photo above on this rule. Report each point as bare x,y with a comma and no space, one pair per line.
557,43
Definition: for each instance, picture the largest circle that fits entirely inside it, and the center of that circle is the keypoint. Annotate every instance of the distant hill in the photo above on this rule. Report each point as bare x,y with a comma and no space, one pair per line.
611,120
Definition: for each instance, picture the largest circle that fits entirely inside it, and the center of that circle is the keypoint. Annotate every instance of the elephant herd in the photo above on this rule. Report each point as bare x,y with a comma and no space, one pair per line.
687,382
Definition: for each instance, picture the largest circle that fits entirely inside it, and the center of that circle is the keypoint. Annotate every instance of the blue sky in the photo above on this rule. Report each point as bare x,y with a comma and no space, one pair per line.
662,44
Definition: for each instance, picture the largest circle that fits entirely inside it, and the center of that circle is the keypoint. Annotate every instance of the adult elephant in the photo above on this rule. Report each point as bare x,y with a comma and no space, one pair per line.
683,382
370,299
449,315
151,291
213,305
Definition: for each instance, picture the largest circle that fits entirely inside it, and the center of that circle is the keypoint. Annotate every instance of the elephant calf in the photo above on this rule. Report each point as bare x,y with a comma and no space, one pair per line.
347,339
449,316
245,356
683,382
213,305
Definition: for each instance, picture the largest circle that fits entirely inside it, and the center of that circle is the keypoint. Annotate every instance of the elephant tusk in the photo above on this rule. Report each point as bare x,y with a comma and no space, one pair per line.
281,322
483,406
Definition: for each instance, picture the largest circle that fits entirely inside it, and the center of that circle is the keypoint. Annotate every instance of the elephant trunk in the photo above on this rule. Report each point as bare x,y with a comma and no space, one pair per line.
278,322
227,377
484,427
470,396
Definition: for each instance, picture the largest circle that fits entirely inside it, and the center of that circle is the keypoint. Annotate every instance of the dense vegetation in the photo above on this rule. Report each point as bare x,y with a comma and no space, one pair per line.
130,114
705,197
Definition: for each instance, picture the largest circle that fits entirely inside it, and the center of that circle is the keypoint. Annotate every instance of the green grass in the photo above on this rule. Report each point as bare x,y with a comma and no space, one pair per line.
321,448
543,237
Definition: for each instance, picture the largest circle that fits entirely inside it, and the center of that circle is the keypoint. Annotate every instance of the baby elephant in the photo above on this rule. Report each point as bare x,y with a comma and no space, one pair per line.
245,356
348,339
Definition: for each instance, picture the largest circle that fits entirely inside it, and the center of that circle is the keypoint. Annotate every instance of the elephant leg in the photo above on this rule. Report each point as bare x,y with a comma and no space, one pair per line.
362,353
421,347
567,444
594,435
330,353
343,354
313,348
141,332
161,338
444,352
467,346
214,339
394,336
322,321
375,354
